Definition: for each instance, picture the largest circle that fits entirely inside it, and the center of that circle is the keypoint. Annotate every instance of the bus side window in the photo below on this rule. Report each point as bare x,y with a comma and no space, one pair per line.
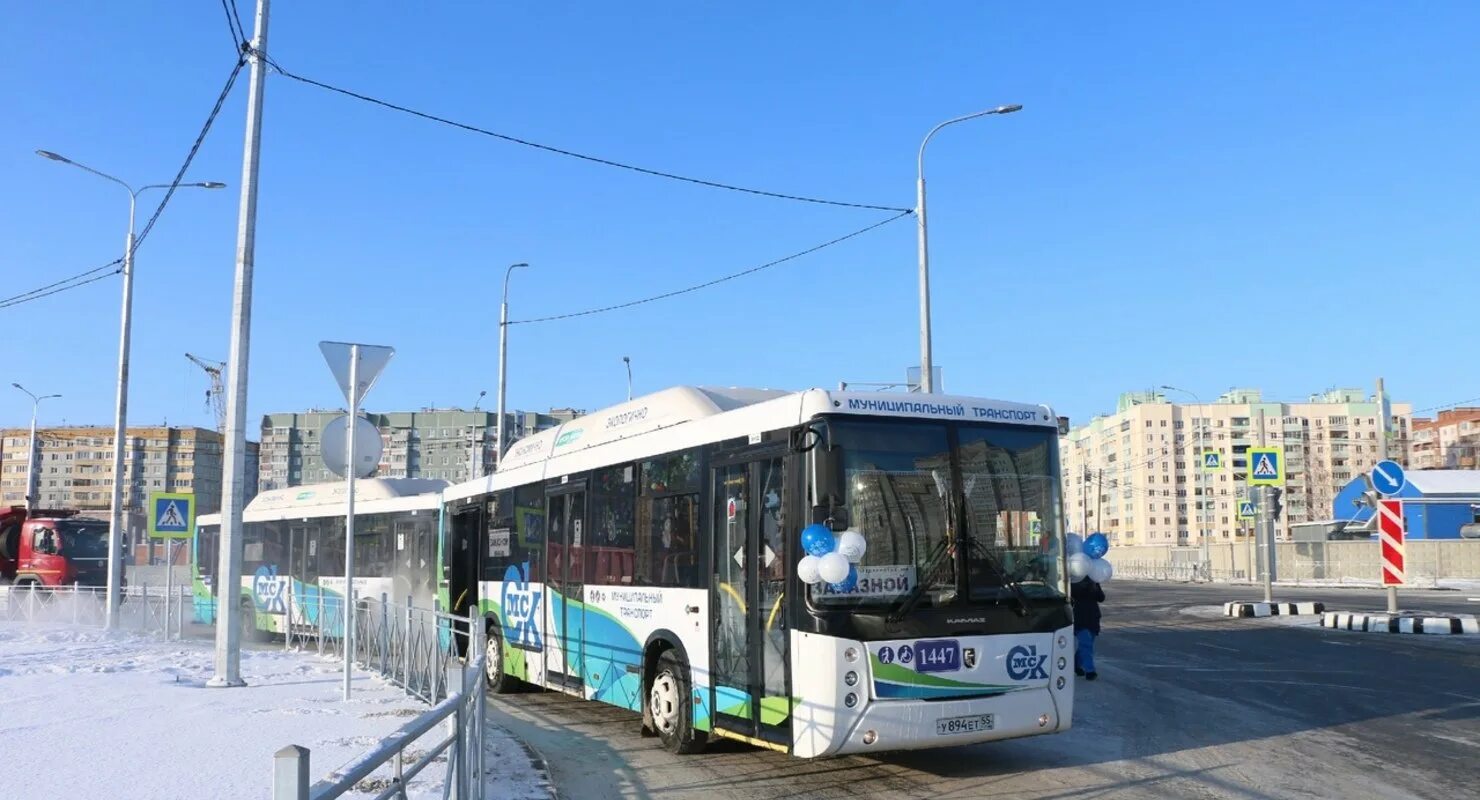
611,551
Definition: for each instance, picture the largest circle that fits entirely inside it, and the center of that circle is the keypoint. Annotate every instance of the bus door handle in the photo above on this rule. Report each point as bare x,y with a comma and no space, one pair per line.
691,609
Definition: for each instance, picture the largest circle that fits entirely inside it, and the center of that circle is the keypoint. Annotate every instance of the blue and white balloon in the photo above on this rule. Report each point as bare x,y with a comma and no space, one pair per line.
1073,543
1079,566
807,570
817,540
847,584
1100,570
852,545
1096,546
833,567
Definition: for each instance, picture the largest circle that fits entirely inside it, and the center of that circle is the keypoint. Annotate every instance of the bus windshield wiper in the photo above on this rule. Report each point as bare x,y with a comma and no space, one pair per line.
927,575
1007,579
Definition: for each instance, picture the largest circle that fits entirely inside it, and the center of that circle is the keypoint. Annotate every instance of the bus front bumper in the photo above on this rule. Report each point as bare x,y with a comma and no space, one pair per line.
918,724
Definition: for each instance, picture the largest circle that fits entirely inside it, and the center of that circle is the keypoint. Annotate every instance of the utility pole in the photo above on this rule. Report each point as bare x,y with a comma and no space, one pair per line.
1382,454
233,484
1099,493
1084,501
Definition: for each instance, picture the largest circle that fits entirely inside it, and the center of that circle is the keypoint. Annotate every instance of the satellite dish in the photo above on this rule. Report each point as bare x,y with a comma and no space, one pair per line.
367,446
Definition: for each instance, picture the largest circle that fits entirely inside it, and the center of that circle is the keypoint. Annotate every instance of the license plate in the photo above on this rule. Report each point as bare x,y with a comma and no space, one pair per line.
939,655
954,725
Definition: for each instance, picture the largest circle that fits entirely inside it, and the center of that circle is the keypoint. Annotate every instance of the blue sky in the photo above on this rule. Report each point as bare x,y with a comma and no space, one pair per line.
1253,195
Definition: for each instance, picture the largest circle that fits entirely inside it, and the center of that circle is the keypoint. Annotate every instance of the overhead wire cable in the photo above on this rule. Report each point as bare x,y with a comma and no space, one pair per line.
90,276
716,281
574,154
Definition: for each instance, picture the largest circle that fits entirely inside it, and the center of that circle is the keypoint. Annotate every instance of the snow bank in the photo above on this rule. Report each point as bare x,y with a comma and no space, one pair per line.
117,715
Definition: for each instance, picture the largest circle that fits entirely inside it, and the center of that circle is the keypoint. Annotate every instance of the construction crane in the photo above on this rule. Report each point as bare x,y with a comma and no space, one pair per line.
216,395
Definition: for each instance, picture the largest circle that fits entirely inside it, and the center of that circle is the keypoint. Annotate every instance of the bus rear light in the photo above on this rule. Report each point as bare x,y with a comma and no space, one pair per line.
869,737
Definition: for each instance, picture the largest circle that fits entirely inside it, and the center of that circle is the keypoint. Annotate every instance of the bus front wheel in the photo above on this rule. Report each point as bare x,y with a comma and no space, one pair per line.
499,681
671,705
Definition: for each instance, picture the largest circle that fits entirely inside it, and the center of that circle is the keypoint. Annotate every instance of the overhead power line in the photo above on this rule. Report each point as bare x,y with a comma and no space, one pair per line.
90,276
707,284
234,23
573,154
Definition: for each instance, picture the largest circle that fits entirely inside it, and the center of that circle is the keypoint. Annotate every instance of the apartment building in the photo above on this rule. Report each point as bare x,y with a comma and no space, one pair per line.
75,470
1135,474
450,444
1448,441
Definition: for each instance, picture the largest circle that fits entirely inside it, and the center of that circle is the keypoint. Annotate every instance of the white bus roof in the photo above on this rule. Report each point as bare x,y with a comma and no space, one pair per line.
662,422
372,495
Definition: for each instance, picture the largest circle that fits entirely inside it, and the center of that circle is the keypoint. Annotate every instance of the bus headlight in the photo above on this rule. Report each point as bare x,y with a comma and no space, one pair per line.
851,678
851,654
850,700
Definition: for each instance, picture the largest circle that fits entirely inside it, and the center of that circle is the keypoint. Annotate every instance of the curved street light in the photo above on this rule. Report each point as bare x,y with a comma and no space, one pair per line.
120,416
927,379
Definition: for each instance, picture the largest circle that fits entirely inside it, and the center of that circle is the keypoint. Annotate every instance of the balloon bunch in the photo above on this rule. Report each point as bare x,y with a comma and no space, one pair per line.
1087,557
831,559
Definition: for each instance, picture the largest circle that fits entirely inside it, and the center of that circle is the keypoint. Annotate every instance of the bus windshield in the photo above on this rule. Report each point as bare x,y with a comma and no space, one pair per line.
951,512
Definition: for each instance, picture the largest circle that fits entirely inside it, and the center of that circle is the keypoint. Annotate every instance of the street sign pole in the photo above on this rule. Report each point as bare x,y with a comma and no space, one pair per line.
355,379
1266,533
1382,454
349,517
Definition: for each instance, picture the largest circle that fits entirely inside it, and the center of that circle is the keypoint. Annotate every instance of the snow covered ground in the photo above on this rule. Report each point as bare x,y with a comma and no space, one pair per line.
89,714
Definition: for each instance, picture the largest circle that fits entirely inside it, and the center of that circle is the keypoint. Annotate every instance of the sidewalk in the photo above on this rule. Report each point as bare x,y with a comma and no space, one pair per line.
128,716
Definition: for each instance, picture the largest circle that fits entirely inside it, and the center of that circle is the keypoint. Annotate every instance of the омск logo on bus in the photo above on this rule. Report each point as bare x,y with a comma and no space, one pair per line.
1024,663
521,608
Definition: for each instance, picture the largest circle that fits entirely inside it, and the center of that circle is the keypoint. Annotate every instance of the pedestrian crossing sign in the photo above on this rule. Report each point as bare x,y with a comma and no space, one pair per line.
1212,461
171,515
1246,509
1266,466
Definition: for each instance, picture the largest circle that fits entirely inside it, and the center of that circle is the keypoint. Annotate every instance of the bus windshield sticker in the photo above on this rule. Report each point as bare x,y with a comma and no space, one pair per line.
498,543
885,580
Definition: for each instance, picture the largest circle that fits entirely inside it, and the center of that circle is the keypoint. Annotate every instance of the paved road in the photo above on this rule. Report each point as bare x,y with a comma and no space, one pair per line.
1189,705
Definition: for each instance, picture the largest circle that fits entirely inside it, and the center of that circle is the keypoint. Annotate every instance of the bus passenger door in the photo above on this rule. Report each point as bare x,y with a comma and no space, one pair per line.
462,565
752,695
565,513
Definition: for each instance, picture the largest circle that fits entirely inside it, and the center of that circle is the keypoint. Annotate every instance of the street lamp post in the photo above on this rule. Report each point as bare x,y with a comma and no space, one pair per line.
475,469
1198,441
33,485
503,356
628,362
927,379
120,411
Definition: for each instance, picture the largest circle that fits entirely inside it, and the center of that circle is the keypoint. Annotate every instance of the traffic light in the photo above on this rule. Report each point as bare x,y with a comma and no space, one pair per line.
1275,506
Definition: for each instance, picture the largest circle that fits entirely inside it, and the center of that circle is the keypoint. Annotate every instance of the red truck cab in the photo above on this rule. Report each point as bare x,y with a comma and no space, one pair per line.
52,548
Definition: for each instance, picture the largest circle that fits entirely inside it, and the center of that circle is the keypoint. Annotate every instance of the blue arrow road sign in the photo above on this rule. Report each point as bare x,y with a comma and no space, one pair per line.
1387,477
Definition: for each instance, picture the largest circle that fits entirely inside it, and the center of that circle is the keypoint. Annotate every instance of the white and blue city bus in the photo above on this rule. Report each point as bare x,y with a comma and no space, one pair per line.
293,553
645,556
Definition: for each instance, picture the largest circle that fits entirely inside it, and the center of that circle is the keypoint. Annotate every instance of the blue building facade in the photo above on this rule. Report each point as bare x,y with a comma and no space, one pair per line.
1434,519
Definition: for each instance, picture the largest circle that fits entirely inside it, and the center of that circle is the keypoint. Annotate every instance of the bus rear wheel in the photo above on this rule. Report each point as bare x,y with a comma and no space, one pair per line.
671,705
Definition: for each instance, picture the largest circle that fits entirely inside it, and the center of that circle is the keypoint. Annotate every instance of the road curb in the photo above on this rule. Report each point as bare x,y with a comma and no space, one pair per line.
1242,609
1442,624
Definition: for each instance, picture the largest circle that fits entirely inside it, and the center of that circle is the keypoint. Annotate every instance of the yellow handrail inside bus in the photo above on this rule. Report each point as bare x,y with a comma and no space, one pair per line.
777,607
738,599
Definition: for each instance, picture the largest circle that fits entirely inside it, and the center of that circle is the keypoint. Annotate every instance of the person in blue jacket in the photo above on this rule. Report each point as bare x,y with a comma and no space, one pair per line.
1087,597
